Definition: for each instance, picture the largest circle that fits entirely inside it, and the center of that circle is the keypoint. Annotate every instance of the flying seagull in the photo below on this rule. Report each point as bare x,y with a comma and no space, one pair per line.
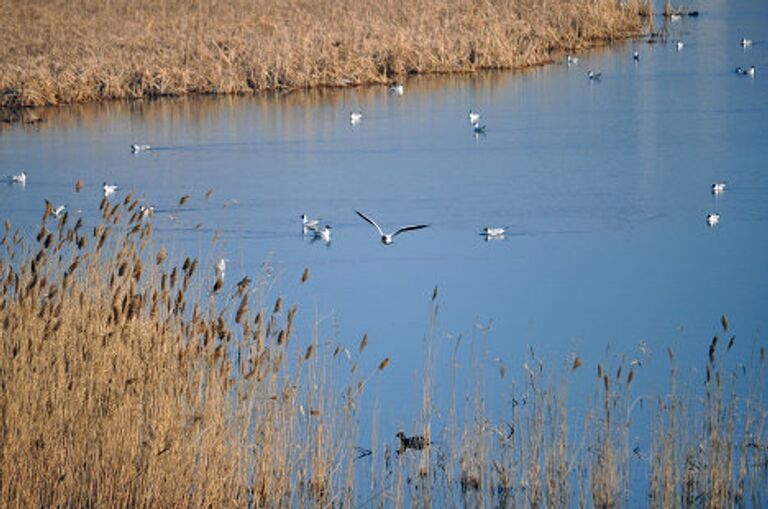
718,188
713,219
109,189
387,239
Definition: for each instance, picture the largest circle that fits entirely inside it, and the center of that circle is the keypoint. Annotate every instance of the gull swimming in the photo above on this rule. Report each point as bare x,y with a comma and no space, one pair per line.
387,239
146,211
713,219
493,232
309,224
140,148
324,234
109,189
474,118
594,76
746,72
569,60
636,56
397,89
679,45
355,117
21,178
718,188
59,210
745,43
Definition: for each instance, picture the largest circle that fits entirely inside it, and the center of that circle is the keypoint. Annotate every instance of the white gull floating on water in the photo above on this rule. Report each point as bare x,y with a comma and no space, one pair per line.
109,189
713,219
21,178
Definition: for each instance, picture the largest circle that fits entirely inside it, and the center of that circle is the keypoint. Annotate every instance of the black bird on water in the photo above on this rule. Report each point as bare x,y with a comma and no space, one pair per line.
415,442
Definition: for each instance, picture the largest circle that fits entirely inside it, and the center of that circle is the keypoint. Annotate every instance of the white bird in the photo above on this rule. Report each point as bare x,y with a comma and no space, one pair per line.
397,89
713,219
718,188
59,210
594,76
309,224
474,118
636,56
679,45
324,234
109,189
146,211
21,178
675,17
220,268
751,71
745,43
387,239
493,232
569,60
140,148
355,117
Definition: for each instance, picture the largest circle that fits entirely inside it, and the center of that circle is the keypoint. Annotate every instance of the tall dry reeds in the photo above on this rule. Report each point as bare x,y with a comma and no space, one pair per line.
132,378
56,52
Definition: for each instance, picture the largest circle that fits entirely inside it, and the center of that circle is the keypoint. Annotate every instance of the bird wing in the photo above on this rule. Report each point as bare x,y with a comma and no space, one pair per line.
370,221
409,228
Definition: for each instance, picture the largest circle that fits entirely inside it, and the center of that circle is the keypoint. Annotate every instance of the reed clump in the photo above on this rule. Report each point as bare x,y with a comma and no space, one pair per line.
56,52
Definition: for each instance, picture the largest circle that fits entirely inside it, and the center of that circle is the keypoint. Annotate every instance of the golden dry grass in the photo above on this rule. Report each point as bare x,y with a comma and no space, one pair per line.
56,51
129,379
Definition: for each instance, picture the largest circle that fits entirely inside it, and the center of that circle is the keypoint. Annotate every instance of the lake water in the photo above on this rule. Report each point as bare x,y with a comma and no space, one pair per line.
605,188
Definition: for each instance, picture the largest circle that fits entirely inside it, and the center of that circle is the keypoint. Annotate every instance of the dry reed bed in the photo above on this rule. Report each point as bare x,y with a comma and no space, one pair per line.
56,51
130,380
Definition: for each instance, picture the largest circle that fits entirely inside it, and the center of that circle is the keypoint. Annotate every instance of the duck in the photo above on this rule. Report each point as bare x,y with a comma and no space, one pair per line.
415,442
388,238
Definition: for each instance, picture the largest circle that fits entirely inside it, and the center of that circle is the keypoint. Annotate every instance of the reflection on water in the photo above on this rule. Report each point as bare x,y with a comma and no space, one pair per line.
604,188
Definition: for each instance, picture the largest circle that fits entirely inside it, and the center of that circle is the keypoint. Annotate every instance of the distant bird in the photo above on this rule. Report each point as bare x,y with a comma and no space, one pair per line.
493,232
718,188
679,45
140,148
355,117
713,219
569,60
594,76
478,129
146,211
675,17
109,189
387,239
474,118
745,43
309,224
397,89
21,178
636,56
746,72
415,442
324,234
220,268
59,210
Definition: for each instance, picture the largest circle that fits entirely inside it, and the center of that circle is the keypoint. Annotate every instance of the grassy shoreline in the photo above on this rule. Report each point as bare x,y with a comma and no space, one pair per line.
132,378
56,52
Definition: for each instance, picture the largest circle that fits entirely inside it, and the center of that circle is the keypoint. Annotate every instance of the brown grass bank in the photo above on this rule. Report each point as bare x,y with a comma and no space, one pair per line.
57,51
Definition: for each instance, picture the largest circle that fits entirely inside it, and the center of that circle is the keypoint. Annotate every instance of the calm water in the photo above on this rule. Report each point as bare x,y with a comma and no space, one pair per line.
605,187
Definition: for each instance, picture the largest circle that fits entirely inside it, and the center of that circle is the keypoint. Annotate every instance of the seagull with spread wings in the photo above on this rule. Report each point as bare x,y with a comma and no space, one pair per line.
387,238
